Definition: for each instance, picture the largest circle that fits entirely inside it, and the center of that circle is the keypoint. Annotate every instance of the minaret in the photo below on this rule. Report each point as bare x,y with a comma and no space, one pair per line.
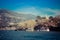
47,17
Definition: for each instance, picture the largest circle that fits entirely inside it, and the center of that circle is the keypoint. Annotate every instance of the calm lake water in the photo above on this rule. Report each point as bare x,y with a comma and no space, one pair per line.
22,35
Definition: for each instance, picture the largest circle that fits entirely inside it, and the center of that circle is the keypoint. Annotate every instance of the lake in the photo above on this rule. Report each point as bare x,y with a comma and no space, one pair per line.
22,35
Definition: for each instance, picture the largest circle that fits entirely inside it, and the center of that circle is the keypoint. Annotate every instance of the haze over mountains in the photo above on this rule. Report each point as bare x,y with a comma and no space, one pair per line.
17,17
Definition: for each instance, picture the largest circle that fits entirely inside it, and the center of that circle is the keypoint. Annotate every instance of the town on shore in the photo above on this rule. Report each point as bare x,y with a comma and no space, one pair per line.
47,23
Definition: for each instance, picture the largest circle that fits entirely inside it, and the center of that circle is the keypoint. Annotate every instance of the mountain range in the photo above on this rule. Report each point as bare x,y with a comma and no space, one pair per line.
16,17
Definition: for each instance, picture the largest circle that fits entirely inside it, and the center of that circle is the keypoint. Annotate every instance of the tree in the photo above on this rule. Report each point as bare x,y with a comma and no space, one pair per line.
51,17
38,17
38,20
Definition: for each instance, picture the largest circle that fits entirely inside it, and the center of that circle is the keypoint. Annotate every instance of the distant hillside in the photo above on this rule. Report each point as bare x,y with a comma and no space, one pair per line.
28,23
17,17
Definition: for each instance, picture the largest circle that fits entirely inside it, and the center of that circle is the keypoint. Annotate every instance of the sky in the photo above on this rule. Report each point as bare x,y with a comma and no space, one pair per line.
34,7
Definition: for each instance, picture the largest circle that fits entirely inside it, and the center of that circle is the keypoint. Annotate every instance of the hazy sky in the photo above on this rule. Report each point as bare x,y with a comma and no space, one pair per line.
35,7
